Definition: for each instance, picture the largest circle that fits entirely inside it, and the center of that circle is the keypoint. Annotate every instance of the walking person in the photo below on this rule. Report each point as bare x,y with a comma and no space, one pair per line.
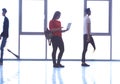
5,33
57,41
87,37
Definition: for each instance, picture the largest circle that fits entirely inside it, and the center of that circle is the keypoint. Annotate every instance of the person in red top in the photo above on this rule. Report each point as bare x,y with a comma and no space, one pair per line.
57,41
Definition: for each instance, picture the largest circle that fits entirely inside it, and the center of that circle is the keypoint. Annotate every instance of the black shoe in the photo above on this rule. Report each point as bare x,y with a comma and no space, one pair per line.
84,64
62,66
55,65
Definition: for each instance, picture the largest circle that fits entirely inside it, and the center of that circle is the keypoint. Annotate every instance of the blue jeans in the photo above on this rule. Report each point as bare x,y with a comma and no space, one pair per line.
3,43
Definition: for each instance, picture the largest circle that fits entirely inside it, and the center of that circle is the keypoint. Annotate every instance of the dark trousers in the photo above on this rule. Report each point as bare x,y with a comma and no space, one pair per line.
3,43
57,42
85,46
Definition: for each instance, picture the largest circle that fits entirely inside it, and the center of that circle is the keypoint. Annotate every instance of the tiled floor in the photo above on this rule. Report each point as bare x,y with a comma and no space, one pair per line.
42,72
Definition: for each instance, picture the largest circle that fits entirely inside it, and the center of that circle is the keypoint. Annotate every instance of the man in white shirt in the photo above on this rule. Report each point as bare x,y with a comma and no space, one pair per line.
87,35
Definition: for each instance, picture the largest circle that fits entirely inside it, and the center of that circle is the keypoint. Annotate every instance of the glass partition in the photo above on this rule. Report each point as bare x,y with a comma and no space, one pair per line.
102,51
32,15
100,29
12,14
71,11
99,16
32,47
115,30
32,42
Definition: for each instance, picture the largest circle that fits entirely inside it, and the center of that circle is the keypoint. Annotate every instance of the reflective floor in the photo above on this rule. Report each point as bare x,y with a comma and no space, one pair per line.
42,72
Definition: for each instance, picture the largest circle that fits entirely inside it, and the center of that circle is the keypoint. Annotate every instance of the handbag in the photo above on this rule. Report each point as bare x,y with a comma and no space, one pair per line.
48,35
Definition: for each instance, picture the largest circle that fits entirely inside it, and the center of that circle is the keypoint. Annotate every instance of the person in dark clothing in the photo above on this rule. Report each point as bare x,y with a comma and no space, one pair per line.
57,41
5,34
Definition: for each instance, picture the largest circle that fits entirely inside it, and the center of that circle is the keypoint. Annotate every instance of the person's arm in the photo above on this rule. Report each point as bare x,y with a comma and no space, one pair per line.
64,30
88,30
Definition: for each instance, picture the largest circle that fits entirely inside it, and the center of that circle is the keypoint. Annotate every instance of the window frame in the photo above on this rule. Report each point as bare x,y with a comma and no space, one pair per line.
109,19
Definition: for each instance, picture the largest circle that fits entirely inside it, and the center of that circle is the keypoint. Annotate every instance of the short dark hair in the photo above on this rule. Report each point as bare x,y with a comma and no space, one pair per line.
4,10
87,10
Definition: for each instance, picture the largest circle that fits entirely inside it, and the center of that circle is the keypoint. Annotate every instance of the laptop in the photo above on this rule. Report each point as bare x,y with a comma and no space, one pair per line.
68,26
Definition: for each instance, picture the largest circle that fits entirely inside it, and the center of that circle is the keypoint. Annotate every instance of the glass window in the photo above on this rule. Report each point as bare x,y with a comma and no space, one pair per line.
102,51
32,47
115,29
99,16
69,13
32,15
12,14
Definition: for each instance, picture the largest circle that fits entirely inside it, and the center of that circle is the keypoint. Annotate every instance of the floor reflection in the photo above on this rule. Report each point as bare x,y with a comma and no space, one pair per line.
1,74
88,75
83,75
56,77
42,72
9,73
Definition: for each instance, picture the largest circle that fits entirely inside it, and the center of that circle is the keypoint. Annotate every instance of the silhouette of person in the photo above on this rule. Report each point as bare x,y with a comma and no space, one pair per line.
57,41
5,33
87,37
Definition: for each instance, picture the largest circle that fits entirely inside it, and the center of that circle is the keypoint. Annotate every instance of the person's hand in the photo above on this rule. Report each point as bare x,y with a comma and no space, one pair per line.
67,29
